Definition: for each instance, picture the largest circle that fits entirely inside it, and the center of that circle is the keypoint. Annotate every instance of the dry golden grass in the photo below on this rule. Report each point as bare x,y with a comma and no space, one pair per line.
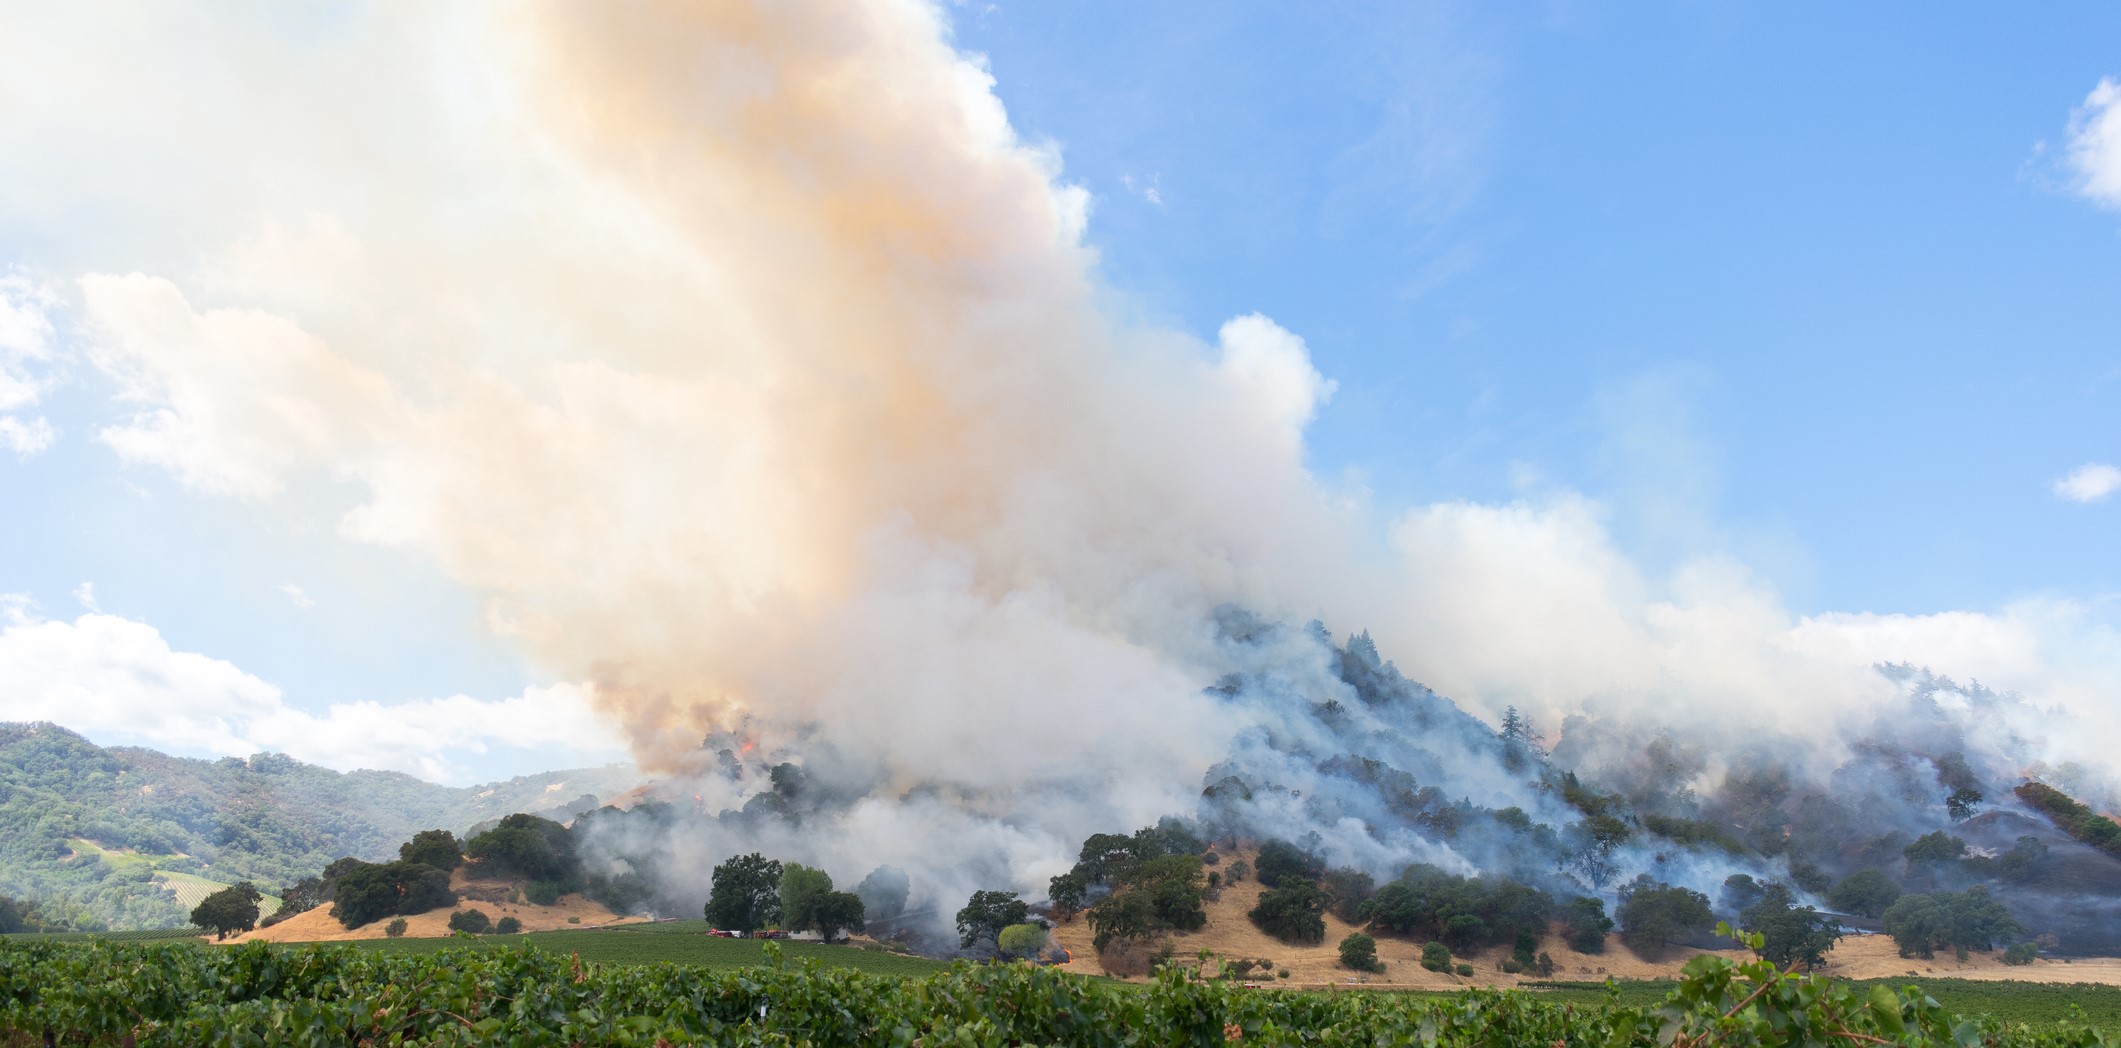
319,925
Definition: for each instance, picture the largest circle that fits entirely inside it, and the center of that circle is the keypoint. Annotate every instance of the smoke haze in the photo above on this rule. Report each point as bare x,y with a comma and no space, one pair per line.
755,372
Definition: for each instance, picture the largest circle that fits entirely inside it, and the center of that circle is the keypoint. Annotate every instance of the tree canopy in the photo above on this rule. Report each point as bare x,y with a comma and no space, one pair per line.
746,893
1654,914
231,910
986,914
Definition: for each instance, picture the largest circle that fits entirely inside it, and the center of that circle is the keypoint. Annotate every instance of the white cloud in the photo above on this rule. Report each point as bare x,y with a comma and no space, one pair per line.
2091,482
2095,144
294,593
116,679
26,437
85,594
26,355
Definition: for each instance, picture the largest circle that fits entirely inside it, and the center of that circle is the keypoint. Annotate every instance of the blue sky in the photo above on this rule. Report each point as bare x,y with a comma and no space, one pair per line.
1819,288
1824,257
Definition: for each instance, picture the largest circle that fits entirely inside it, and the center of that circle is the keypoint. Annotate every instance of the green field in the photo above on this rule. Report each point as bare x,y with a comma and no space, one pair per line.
2015,1002
670,942
189,888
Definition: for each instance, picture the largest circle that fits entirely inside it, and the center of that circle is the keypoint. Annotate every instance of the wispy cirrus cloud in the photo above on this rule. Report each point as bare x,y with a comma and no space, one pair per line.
2095,144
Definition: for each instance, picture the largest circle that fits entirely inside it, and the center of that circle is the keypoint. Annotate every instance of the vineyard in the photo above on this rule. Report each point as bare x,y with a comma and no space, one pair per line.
257,994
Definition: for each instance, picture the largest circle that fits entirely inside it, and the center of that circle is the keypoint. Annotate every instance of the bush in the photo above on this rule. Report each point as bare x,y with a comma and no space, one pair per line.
1510,966
1359,951
1292,913
1544,966
396,928
1022,941
1282,974
1465,970
474,921
1865,893
1436,957
507,926
2021,954
1128,958
541,893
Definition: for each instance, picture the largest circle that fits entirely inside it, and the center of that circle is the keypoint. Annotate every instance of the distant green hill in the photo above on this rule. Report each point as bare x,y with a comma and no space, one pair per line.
113,837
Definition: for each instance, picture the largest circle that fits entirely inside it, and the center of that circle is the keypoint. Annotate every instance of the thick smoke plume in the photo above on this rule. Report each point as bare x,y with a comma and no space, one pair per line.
755,371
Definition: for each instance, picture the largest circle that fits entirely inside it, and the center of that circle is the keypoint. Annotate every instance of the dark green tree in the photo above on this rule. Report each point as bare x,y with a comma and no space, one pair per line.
837,912
1293,913
801,888
528,847
986,914
1934,849
473,921
1654,914
1792,934
1350,888
1865,893
1280,862
228,911
1970,920
1359,951
746,893
1585,924
436,848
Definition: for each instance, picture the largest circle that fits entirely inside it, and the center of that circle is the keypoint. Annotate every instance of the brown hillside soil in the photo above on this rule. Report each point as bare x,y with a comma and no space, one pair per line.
1230,935
319,925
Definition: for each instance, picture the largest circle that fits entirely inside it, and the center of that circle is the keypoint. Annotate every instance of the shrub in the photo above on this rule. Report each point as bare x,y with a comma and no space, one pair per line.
1022,940
1544,966
1359,951
1865,893
1292,913
1127,958
1465,970
2021,954
541,893
396,928
1282,974
474,921
507,926
1238,871
1510,966
1436,957
574,920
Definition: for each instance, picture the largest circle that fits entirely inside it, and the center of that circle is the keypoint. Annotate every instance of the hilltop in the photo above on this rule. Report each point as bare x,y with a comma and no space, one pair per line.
117,837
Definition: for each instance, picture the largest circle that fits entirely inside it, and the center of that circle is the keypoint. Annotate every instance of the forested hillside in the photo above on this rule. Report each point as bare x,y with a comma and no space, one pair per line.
92,833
